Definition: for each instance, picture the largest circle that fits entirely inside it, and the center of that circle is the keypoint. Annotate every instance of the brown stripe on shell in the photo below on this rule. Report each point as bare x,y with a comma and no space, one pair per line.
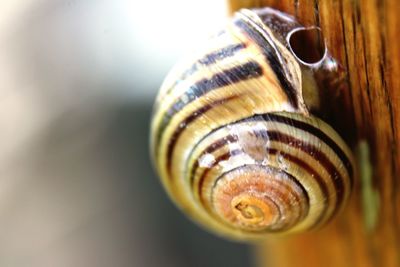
293,123
316,132
320,181
317,155
184,72
209,59
221,54
194,67
272,57
223,157
230,76
210,149
185,123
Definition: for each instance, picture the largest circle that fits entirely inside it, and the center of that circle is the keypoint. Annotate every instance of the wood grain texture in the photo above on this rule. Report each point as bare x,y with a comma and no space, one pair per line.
364,37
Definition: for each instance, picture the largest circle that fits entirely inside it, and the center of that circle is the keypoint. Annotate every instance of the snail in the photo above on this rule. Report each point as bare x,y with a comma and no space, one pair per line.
233,138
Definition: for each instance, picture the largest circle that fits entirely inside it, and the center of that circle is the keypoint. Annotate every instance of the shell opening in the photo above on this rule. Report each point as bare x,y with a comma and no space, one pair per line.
308,46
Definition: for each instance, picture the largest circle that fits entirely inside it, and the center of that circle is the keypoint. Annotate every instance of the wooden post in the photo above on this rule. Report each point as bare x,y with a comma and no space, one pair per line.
364,35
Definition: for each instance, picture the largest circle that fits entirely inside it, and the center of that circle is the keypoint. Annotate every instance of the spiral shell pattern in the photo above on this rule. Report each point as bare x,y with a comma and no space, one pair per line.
234,142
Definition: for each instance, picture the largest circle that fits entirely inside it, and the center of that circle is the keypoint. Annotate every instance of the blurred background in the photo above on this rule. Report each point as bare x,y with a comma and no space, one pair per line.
77,81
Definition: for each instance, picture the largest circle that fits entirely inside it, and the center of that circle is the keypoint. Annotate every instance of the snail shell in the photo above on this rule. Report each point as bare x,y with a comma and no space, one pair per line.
233,139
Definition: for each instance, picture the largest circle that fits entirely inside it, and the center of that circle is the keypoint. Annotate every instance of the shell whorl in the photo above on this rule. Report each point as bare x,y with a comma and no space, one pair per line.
235,144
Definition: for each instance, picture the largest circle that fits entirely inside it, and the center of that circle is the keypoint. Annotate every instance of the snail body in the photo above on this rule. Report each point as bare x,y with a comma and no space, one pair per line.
234,141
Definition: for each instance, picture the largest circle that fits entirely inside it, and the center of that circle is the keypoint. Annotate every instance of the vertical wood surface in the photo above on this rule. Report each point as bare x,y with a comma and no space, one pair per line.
364,35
